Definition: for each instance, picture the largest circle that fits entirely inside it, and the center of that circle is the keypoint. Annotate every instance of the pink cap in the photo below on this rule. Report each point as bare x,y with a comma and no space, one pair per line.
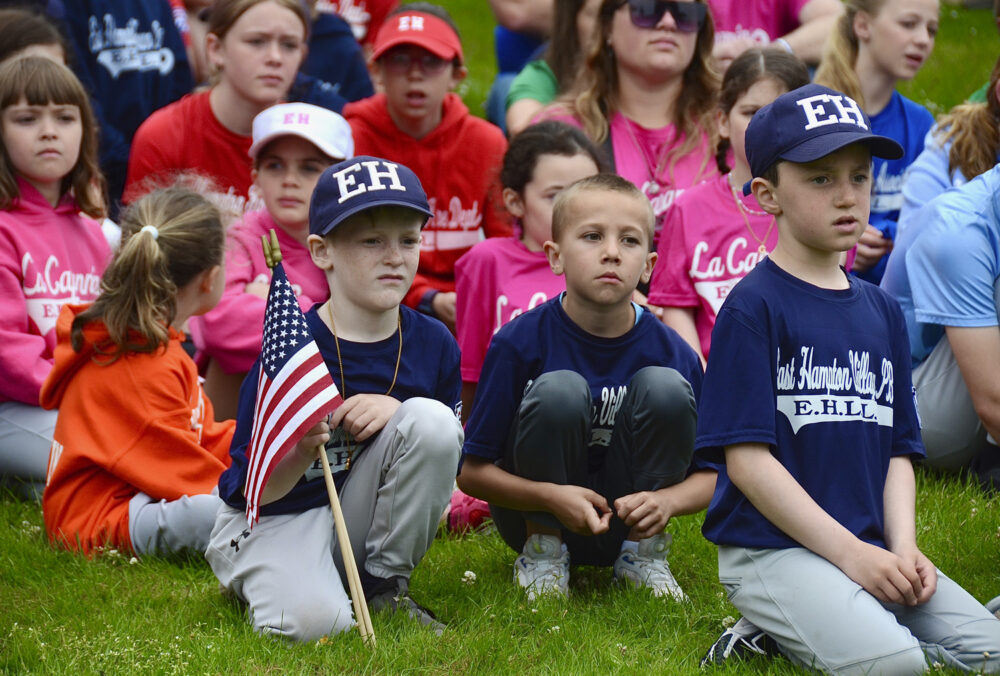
324,128
420,29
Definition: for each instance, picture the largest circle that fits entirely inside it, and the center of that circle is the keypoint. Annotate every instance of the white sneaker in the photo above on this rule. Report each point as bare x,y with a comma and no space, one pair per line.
543,567
648,568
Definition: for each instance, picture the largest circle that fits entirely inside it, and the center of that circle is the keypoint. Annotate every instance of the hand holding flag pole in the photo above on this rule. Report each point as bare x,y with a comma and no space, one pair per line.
289,402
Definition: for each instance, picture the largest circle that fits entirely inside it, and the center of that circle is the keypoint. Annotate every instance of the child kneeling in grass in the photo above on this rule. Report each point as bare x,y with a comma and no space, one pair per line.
393,444
808,396
588,402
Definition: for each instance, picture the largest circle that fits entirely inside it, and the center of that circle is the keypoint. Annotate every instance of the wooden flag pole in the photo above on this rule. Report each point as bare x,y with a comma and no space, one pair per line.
272,254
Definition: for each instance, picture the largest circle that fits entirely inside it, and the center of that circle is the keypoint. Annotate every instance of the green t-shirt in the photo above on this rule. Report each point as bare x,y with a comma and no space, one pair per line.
536,81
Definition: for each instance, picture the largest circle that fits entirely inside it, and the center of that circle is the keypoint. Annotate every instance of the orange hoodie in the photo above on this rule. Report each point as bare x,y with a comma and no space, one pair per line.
458,165
138,424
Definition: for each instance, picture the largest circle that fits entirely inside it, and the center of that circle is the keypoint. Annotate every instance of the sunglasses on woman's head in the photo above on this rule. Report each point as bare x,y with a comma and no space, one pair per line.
689,16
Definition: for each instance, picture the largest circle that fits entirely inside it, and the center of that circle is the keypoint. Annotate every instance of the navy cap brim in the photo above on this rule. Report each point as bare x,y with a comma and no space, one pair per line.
820,146
347,213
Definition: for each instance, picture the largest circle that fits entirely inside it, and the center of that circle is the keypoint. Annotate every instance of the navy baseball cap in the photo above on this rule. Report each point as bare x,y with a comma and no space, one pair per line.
361,183
806,124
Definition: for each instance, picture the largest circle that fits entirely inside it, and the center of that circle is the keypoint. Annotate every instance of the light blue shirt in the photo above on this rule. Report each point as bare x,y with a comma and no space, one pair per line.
945,265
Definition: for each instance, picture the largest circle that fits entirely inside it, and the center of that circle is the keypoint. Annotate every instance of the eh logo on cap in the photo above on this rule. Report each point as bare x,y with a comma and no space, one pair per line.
349,187
411,23
847,111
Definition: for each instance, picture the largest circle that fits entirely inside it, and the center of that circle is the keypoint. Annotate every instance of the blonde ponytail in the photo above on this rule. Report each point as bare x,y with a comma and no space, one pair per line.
168,237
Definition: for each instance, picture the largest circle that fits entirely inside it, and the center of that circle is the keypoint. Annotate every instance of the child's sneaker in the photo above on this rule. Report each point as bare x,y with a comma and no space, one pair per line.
393,595
543,567
740,641
648,567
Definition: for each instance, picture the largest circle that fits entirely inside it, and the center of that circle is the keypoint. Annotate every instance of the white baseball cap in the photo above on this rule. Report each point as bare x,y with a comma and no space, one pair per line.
324,128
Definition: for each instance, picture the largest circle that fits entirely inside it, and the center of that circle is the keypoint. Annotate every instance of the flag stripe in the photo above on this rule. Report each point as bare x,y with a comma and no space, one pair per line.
294,389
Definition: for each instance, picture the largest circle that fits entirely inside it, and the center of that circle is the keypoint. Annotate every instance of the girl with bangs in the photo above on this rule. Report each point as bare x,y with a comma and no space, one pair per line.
647,94
51,251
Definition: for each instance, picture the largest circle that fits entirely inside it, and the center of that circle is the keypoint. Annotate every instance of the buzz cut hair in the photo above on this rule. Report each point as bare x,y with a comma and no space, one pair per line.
562,209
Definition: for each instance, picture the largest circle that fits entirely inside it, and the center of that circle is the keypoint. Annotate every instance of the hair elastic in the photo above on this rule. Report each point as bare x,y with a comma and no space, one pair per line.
151,229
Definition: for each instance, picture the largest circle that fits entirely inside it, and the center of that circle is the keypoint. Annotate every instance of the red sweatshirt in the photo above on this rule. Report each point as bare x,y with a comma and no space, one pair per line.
140,423
459,166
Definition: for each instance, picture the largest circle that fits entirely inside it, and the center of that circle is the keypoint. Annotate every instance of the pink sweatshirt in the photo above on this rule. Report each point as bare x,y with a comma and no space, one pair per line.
495,281
636,150
232,332
48,257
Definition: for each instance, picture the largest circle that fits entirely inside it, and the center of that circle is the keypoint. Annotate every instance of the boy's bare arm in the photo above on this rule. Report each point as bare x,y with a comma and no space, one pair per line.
648,512
899,499
977,352
579,509
364,415
783,502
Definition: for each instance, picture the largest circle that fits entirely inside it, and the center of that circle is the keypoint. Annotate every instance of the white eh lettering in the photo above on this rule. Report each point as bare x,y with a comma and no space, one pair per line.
847,111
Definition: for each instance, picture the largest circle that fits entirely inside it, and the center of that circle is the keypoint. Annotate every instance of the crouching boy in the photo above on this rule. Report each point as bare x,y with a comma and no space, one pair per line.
582,431
393,444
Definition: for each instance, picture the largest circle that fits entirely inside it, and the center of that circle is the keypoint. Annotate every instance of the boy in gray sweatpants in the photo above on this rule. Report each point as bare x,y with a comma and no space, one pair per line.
393,444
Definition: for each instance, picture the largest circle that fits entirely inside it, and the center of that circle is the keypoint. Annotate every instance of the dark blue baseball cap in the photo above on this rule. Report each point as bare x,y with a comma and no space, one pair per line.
361,183
806,124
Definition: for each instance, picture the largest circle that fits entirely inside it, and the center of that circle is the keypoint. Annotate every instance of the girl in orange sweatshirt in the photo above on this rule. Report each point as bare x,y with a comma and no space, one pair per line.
137,453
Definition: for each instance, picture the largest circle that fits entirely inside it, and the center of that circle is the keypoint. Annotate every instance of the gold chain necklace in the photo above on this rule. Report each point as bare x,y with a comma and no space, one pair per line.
744,210
654,172
340,363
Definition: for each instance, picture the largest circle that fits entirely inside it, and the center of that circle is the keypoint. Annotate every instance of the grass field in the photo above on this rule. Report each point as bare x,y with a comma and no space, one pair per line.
60,613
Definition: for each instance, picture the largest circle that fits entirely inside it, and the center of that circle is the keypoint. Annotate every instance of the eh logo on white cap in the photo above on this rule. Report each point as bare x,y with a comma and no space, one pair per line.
846,111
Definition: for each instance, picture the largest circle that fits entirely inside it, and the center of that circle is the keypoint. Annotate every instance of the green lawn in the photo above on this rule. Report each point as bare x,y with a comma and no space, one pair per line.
60,613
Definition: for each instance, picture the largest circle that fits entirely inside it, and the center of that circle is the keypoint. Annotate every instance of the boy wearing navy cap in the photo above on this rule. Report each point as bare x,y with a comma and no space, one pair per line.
807,396
393,444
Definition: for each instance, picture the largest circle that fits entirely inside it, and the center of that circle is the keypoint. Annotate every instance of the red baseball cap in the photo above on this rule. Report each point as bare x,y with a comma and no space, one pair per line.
420,29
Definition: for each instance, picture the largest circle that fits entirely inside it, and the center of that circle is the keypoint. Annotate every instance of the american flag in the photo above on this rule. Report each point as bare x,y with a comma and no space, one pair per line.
294,388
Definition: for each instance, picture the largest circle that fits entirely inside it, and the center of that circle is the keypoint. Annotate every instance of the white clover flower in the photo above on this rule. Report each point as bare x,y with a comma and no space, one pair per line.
469,577
133,561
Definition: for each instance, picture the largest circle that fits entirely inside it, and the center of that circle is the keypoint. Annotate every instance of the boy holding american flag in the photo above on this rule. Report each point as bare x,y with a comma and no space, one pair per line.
393,443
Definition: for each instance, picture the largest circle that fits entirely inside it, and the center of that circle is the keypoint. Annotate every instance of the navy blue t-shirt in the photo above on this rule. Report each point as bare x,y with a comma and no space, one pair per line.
823,378
428,368
545,339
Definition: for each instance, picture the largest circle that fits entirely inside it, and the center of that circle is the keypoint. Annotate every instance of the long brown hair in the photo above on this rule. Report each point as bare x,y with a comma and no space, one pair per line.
836,69
41,81
139,288
974,132
745,71
594,96
565,51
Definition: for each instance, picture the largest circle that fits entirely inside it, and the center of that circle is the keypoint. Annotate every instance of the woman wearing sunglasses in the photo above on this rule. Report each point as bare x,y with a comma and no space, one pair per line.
647,94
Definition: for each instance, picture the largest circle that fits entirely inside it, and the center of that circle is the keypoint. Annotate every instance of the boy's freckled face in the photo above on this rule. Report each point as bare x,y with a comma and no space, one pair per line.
825,203
287,171
416,81
374,261
604,249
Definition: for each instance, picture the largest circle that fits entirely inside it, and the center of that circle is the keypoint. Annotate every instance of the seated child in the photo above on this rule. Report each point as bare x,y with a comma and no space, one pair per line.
417,120
808,396
292,144
588,402
393,444
137,454
502,277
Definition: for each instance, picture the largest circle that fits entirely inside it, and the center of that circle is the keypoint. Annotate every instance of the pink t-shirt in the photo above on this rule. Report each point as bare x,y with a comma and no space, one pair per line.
636,150
706,248
495,281
232,332
762,21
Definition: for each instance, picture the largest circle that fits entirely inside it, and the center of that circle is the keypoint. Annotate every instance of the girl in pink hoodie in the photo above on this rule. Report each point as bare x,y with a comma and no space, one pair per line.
50,252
